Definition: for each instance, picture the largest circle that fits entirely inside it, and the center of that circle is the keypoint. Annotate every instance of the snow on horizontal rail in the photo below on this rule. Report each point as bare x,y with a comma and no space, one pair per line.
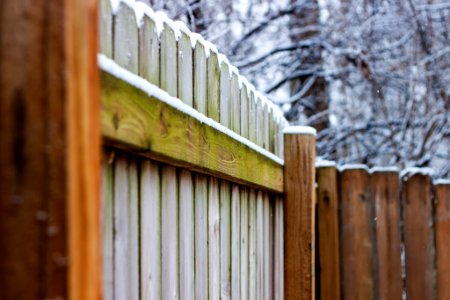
299,130
114,69
442,181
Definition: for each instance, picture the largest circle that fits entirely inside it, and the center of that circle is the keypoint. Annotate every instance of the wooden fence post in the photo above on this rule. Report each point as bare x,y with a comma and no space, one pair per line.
328,235
442,227
299,216
50,151
418,235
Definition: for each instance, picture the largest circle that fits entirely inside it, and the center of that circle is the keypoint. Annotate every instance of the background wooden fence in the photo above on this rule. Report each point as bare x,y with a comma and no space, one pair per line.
382,234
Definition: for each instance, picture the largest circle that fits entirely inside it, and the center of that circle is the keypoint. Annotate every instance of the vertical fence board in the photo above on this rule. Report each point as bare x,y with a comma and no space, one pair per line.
385,188
126,39
267,248
225,240
328,235
169,233
252,118
133,230
299,215
213,90
244,243
200,81
260,246
121,247
244,112
235,242
105,28
418,235
168,75
187,235
224,99
357,261
150,231
252,247
279,250
201,237
214,239
185,65
235,99
108,228
148,51
259,120
442,227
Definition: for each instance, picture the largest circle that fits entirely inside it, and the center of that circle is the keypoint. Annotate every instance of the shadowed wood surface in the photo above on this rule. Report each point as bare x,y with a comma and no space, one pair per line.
418,232
385,188
328,235
357,260
299,223
442,225
149,127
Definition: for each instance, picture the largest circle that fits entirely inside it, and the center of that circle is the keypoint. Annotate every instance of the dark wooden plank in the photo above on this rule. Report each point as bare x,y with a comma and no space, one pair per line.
386,198
328,233
356,234
418,236
442,227
299,173
49,163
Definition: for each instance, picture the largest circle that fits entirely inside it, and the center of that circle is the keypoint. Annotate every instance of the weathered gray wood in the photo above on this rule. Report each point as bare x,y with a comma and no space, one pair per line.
125,39
169,234
200,81
244,112
201,237
252,269
169,61
121,248
235,99
150,231
214,239
225,240
252,118
259,120
213,80
133,230
105,28
235,242
260,246
224,99
244,243
187,235
279,250
149,62
185,65
267,245
266,130
108,227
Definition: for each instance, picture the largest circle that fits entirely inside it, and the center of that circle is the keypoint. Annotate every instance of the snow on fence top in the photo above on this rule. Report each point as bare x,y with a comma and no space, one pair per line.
186,66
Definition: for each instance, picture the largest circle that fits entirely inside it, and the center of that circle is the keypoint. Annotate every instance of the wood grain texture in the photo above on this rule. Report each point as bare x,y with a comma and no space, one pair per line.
147,126
252,247
185,74
418,237
442,227
225,240
105,28
201,236
299,174
235,242
356,234
279,250
244,243
170,286
149,57
260,258
133,230
200,82
150,231
328,234
385,187
214,238
235,103
267,269
168,67
224,97
187,235
213,81
125,41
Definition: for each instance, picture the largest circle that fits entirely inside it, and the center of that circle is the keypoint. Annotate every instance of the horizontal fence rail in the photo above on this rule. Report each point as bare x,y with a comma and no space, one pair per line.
381,233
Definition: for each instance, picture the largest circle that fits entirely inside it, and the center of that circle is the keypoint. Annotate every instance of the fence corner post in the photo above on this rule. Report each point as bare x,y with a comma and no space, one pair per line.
299,215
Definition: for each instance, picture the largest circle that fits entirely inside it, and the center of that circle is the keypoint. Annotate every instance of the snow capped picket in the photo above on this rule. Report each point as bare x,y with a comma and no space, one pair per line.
151,45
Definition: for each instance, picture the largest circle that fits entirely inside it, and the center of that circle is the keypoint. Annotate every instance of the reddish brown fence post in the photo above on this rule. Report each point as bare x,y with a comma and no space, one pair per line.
442,229
418,235
385,188
327,203
356,231
50,150
299,223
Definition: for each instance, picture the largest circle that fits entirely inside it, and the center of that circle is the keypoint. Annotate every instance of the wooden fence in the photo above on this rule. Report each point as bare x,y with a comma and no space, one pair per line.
381,234
192,167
